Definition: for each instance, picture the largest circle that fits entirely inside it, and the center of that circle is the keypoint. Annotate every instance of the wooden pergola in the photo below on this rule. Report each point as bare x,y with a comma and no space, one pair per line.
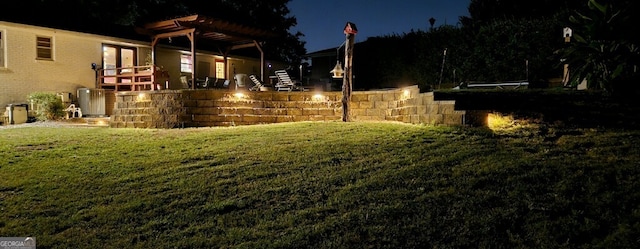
226,35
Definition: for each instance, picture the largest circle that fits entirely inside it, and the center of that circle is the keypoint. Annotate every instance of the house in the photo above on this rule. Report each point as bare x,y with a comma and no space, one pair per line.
36,58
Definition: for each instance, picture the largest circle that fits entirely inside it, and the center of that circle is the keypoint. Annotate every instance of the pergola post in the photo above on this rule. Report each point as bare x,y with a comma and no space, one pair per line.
225,58
261,59
154,42
191,37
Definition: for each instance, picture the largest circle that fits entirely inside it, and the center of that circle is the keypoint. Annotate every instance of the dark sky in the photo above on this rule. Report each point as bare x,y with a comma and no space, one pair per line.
322,22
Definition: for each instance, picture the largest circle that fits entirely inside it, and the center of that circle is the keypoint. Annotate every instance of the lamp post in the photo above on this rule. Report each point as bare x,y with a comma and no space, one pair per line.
566,33
350,31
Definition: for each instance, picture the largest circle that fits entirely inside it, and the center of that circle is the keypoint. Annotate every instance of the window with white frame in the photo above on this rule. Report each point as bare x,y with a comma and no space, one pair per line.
220,69
185,63
44,48
2,46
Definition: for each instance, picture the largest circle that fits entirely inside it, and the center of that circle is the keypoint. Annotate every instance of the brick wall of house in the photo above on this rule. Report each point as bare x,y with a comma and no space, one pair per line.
203,108
23,74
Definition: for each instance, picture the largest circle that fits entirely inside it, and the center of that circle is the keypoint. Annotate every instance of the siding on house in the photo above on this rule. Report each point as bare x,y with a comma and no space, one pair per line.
73,52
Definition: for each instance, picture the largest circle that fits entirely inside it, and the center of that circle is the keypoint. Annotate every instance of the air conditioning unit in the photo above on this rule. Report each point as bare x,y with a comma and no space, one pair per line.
16,113
91,102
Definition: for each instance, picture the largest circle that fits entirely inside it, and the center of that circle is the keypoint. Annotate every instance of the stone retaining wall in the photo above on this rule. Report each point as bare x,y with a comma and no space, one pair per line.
203,108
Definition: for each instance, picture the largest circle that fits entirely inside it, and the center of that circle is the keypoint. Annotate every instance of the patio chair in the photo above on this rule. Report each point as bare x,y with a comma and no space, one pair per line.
241,81
185,82
207,83
257,84
285,83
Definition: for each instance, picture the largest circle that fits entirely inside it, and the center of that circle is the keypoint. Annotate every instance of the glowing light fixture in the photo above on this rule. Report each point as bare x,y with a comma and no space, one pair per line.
141,97
406,93
318,97
239,95
496,121
337,70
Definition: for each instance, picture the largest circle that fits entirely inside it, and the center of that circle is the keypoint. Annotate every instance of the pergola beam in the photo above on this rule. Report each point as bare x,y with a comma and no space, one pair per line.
184,32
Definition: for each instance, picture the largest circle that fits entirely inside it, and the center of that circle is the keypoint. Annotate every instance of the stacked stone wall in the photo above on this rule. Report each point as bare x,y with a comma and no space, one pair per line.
203,108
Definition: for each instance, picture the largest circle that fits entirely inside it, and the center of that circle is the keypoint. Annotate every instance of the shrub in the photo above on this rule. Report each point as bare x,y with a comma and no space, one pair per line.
48,106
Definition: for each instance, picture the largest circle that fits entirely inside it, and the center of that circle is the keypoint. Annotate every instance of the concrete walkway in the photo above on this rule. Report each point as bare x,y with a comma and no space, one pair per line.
76,122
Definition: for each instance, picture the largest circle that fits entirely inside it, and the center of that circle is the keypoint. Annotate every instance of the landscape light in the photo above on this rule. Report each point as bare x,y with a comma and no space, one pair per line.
406,93
318,97
141,97
496,121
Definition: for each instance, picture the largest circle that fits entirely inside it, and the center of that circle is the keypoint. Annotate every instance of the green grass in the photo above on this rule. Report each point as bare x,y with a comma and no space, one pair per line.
321,185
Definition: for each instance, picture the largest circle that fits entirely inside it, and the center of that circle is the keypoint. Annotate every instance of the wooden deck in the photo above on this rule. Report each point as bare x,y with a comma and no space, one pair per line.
136,78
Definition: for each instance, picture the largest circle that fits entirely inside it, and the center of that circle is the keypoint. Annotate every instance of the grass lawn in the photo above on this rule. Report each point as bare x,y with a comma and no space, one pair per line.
321,185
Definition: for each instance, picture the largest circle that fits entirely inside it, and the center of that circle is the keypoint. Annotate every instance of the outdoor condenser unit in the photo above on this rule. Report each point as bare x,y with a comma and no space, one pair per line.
91,101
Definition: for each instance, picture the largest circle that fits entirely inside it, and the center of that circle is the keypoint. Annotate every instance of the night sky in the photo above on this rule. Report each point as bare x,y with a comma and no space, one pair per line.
322,22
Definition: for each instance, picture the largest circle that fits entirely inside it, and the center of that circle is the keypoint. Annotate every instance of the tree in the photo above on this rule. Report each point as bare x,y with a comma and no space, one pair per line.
514,49
508,33
486,11
605,47
410,58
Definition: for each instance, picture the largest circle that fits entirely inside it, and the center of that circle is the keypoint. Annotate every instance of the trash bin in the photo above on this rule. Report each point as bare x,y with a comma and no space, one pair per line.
17,113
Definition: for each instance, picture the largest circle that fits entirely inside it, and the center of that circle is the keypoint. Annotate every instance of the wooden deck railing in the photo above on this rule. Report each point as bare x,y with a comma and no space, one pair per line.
136,78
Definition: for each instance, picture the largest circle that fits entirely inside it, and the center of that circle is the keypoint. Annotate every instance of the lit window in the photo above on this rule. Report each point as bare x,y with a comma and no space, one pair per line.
185,63
220,69
1,50
44,48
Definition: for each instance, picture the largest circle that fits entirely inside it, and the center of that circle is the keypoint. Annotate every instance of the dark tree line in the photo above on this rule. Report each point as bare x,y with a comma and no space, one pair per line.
510,40
88,15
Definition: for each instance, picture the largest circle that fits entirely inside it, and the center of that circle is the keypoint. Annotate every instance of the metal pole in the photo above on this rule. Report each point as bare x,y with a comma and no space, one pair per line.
444,56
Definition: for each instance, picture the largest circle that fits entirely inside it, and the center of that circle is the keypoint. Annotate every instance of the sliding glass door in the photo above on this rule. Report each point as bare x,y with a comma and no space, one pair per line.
117,57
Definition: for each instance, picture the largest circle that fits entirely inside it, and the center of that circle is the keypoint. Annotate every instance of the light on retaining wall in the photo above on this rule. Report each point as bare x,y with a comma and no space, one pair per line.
239,95
142,97
318,97
406,93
